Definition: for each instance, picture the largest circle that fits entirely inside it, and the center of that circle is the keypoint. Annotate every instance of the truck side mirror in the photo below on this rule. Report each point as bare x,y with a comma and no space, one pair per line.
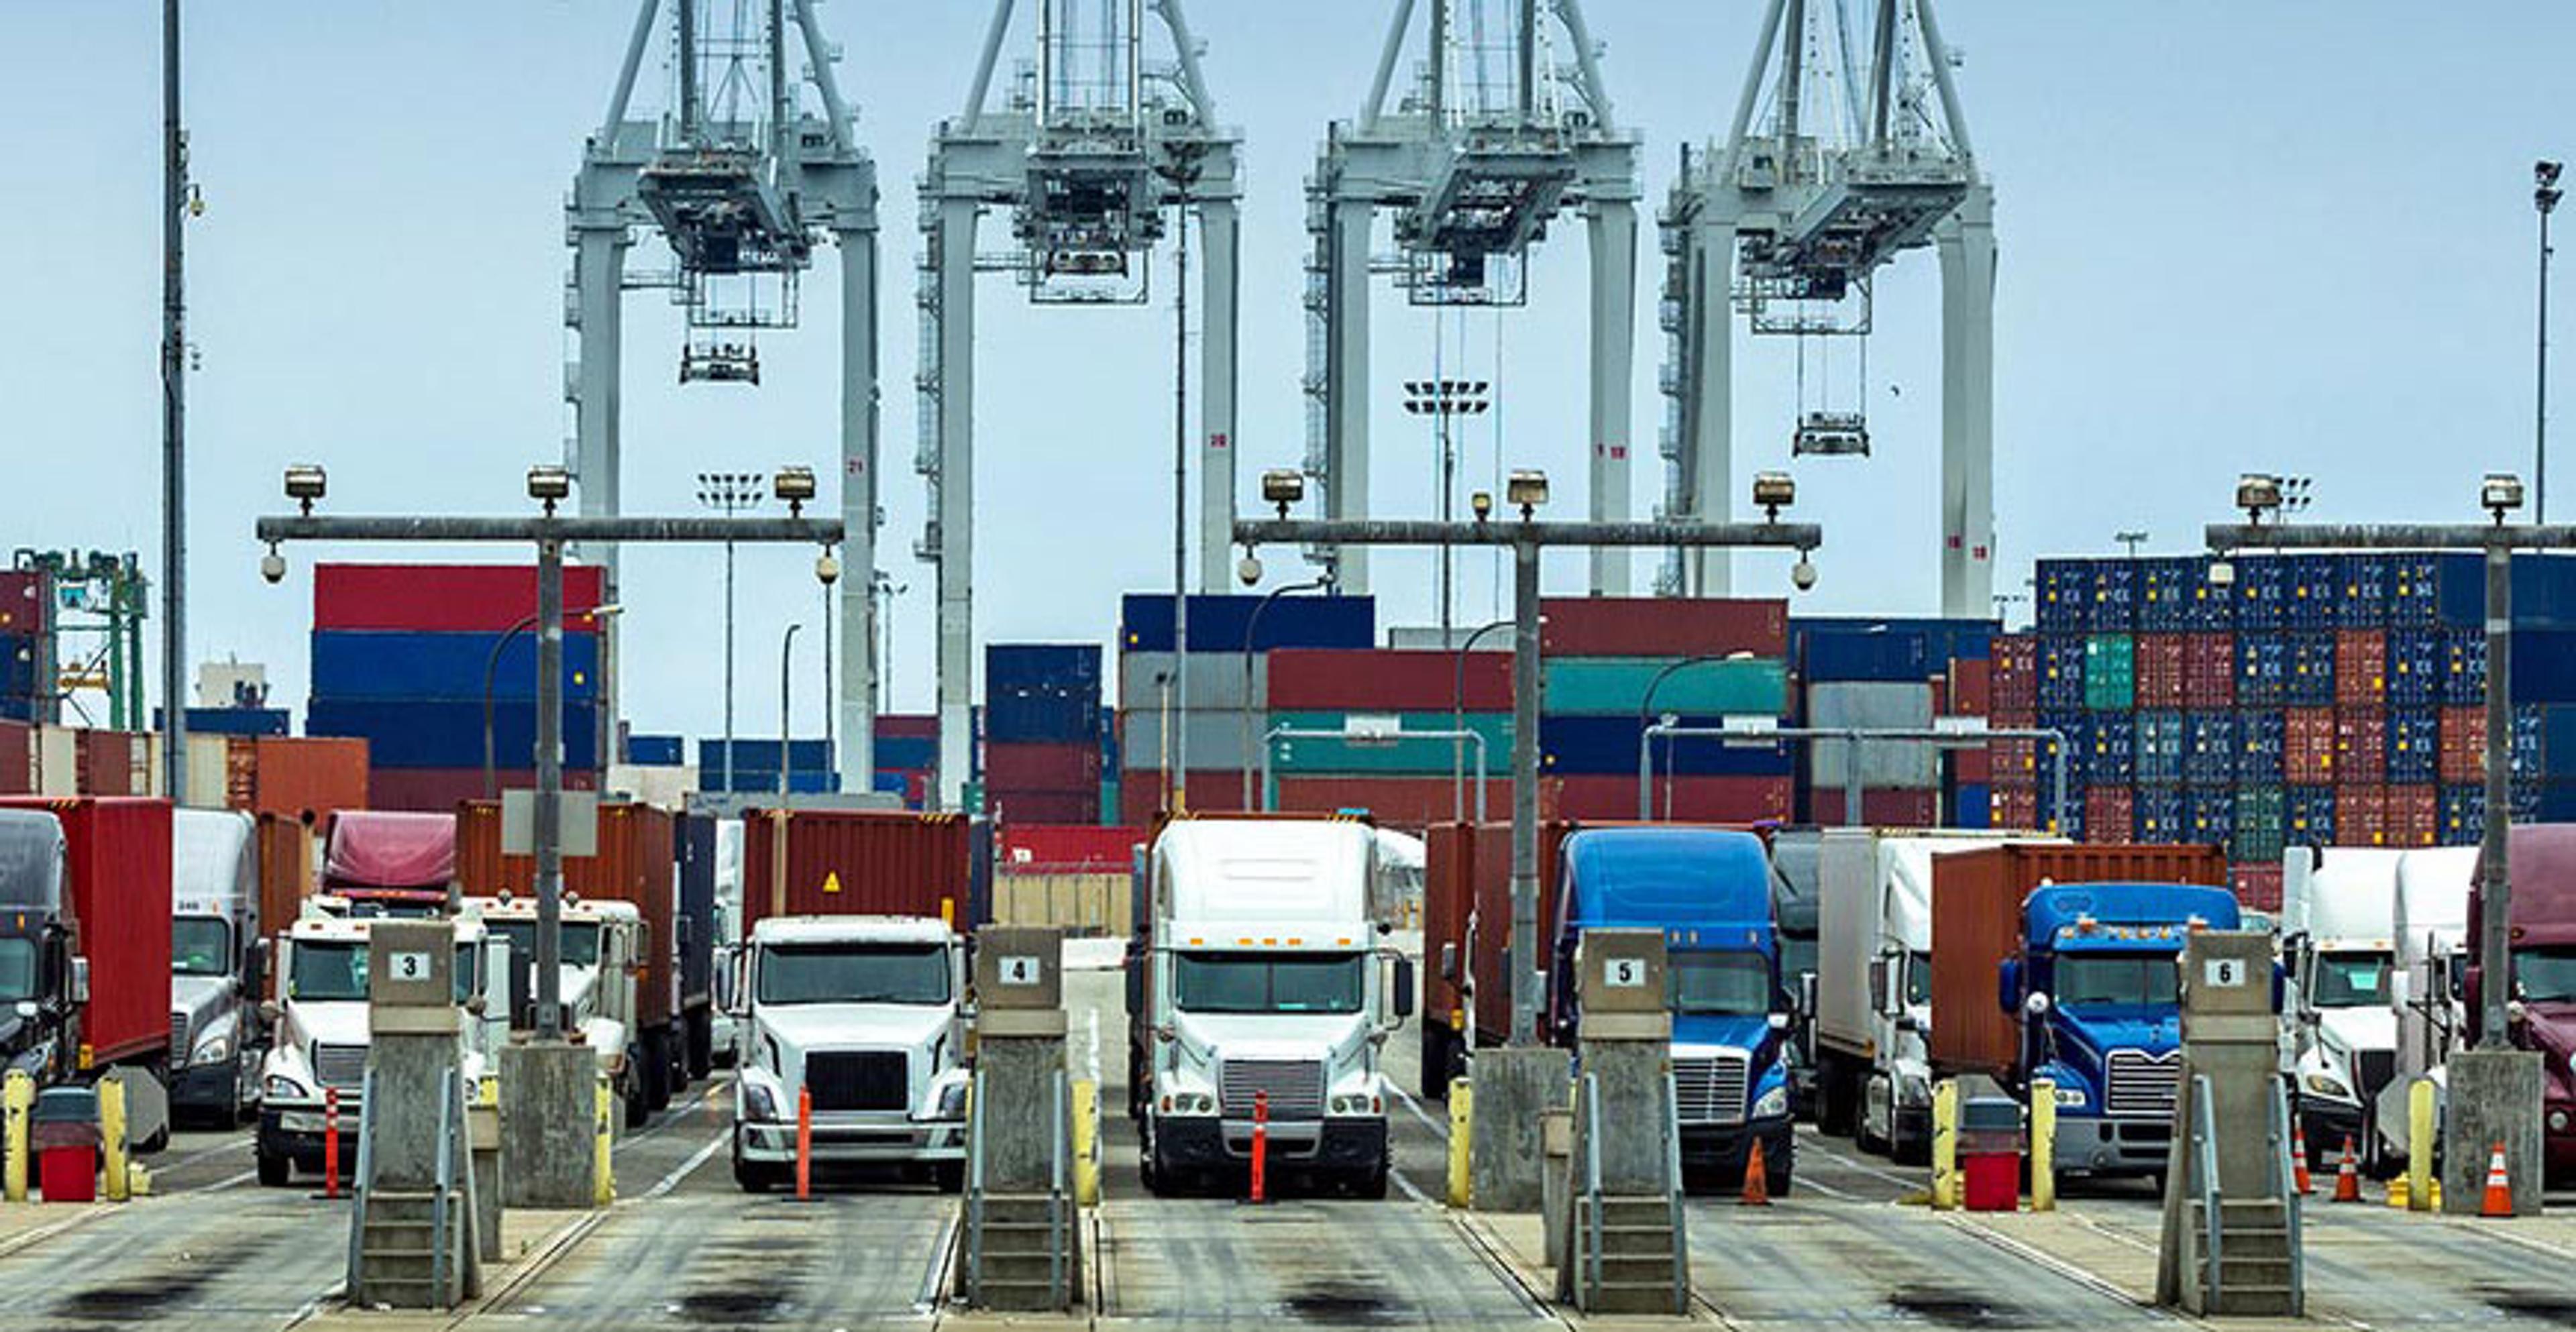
1807,994
2008,984
1449,962
1135,976
1878,986
1404,983
80,979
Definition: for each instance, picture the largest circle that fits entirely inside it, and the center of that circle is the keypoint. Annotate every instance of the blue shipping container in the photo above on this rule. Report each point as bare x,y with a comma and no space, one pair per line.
906,753
758,781
2065,596
2414,746
2208,815
233,721
1053,667
1840,655
449,734
2159,747
2463,814
1042,718
2110,753
2209,749
2061,672
2311,591
2415,583
2114,607
355,664
2308,670
2414,667
656,751
2262,669
2157,814
2464,666
2308,816
1973,806
2544,665
2259,738
762,755
2262,591
2361,595
1596,746
1218,623
2175,596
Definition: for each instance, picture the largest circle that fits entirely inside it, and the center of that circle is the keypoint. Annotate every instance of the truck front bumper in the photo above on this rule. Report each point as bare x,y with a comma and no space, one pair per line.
297,1129
1724,1147
207,1087
2091,1146
857,1139
1355,1143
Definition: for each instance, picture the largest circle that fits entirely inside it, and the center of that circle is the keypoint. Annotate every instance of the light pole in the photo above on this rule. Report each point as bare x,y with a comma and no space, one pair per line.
179,202
1444,400
729,493
1251,632
2132,540
492,666
1646,704
1458,700
887,589
786,652
2545,195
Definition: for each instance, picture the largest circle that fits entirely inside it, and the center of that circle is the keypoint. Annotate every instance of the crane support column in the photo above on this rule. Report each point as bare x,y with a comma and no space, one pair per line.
1346,478
1220,233
955,517
1613,225
859,685
1967,245
1708,418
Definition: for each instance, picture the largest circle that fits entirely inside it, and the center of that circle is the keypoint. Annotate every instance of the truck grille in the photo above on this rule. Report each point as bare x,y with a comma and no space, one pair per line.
178,1040
859,1079
2143,1084
342,1066
1710,1089
1295,1087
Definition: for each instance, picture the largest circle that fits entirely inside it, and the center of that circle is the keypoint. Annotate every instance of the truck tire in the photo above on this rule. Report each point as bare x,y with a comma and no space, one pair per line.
1778,1179
753,1176
702,1043
1438,1062
1149,1164
657,1070
1862,1136
639,1102
1371,1185
275,1171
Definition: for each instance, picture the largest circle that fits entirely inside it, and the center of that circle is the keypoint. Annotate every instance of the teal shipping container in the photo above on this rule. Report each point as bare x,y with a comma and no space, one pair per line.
1617,686
1405,755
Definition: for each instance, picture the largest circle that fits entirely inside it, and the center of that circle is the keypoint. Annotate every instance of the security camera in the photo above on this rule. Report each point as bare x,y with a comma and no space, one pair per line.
272,566
1803,574
1249,570
827,570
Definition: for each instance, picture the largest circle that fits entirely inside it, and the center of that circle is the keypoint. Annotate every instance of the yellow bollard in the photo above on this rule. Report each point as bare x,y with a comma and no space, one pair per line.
1086,1143
139,1179
602,1141
1945,1145
1462,1104
2043,1145
2420,1140
18,1100
487,1089
111,1138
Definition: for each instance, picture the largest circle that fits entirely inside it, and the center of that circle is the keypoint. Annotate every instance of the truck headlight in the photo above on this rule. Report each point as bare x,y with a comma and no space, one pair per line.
1357,1103
1913,1089
2328,1086
216,1050
759,1100
281,1088
952,1100
1189,1103
1771,1104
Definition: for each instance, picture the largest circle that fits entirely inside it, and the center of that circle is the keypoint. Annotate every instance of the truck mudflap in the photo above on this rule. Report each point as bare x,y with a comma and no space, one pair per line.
1721,1149
858,1139
2093,1146
1355,1144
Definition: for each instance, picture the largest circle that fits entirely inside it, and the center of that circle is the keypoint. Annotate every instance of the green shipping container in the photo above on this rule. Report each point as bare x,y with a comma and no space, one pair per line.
1616,686
2259,836
1415,756
2110,672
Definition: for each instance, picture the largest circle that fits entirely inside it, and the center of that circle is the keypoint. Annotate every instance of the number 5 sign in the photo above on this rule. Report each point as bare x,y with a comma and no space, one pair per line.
1623,973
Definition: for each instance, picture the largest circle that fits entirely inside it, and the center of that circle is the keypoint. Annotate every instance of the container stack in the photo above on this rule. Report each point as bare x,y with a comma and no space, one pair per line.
907,753
1042,736
1227,714
751,767
1335,717
1612,667
401,654
26,603
1894,674
2331,699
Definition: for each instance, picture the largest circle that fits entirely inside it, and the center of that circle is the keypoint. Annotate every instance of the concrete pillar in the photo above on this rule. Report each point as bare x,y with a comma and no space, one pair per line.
1514,1087
548,1157
1966,241
1613,225
1220,233
2493,1097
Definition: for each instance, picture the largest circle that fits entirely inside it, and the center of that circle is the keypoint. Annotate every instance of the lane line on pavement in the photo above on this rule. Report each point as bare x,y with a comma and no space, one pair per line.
1439,1127
1407,1185
688,1167
934,1278
2052,1263
1863,1167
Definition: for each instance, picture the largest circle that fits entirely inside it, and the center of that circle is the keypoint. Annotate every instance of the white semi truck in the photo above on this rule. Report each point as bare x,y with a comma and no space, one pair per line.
2432,927
216,956
601,953
2339,936
1261,975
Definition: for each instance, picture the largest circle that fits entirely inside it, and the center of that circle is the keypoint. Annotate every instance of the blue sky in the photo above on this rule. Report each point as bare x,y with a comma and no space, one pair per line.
2267,233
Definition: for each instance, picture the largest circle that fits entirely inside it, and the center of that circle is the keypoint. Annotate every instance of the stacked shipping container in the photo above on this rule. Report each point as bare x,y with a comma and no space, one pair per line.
26,605
1899,674
1227,662
1611,668
1042,750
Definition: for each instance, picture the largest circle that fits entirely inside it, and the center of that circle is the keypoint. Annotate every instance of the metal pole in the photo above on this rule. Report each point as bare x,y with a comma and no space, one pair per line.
830,760
1251,627
1522,973
174,436
549,812
1181,500
1458,722
786,649
491,667
2494,962
724,765
2540,388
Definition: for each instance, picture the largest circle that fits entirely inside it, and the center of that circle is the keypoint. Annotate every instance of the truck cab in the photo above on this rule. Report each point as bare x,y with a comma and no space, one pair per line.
321,1032
2540,1011
42,982
1260,985
602,948
2432,928
2095,987
2339,937
216,953
1709,891
867,1016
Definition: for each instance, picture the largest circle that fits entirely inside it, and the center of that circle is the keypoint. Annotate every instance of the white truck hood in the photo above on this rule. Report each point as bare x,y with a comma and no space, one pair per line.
2345,1030
848,1026
1283,1036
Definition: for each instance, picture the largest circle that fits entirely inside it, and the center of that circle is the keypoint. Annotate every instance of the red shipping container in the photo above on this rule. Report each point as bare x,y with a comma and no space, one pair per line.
634,864
2361,666
116,880
1681,799
111,763
1971,688
305,778
1467,872
855,863
2015,675
2209,670
2361,746
285,878
1141,797
1388,680
441,790
2110,814
1042,767
2258,886
445,598
17,758
2015,761
1878,809
1031,848
2361,816
26,603
1662,627
2015,805
2308,746
1057,807
2414,815
908,726
1401,802
1973,766
2464,746
2159,664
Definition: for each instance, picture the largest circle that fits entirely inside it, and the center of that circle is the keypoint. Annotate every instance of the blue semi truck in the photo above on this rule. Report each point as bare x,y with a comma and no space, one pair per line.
2059,962
1709,891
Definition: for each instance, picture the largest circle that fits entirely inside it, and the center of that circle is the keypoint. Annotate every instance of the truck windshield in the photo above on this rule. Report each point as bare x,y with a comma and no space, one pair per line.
2352,980
1734,984
2116,978
854,974
328,971
1269,982
2545,975
580,940
200,946
17,969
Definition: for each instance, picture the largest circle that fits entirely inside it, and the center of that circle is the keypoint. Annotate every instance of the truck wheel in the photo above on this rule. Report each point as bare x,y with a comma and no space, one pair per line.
1372,1185
1435,1063
658,1071
275,1171
1778,1180
639,1102
1149,1163
702,1044
1862,1137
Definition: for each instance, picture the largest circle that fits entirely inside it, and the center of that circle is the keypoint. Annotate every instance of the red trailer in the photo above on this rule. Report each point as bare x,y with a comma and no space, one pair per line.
815,862
1466,924
116,907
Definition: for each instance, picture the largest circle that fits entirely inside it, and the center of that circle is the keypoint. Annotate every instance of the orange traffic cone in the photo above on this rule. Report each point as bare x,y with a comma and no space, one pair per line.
2348,1176
2299,1158
1757,1179
2499,1199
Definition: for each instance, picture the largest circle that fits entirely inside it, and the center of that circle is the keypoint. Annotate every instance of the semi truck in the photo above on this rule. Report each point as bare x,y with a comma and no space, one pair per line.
2541,1004
1467,940
2433,885
216,957
320,1033
600,959
724,1038
1709,891
2058,962
696,844
1260,981
2339,941
852,994
1873,991
382,863
1795,910
85,947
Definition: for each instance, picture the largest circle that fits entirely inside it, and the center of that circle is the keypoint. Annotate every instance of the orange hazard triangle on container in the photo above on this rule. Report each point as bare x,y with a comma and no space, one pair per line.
832,881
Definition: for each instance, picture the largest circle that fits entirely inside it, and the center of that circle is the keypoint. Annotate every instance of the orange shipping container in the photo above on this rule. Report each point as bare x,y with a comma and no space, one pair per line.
854,863
1977,923
301,778
285,878
634,864
1467,868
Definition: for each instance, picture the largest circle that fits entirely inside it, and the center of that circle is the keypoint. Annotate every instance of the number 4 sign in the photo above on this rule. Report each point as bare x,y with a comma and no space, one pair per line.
1019,970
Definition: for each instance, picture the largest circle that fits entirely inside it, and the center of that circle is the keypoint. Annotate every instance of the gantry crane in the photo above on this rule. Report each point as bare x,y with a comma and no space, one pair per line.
1087,150
741,180
1474,163
1788,227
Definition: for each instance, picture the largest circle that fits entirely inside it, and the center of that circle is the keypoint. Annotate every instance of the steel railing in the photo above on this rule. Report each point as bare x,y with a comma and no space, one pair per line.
1595,1231
365,1181
2203,1158
1673,1194
439,1248
2285,1187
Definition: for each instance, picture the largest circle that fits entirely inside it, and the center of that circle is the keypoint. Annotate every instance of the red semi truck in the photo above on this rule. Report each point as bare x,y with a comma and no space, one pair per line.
2543,947
85,941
